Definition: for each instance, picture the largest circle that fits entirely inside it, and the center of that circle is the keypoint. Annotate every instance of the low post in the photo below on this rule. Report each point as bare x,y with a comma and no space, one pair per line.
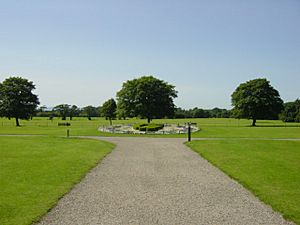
189,132
68,133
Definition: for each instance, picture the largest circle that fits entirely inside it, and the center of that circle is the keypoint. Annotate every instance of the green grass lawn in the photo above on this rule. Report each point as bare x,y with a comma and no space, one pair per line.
36,171
213,127
270,169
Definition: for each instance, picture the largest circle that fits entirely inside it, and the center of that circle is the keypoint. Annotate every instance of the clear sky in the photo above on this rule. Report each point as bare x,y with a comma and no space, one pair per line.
80,52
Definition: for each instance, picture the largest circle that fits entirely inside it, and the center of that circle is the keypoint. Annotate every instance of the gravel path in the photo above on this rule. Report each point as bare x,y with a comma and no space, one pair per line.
158,181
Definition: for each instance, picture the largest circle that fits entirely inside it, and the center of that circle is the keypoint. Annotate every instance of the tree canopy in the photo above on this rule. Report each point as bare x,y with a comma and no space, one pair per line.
63,110
90,111
74,111
202,113
109,109
256,99
147,97
291,112
16,98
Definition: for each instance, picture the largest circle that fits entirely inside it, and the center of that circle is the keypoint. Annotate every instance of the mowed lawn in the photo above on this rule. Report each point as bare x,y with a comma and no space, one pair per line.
270,169
36,171
210,127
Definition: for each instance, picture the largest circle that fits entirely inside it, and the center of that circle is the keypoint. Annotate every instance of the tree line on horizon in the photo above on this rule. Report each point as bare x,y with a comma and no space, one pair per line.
67,110
150,98
107,110
289,114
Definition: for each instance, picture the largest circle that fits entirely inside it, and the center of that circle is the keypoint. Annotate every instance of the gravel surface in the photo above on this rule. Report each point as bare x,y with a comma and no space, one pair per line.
158,181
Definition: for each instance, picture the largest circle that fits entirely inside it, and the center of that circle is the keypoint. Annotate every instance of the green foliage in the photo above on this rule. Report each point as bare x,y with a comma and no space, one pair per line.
269,168
256,99
90,111
74,111
138,125
121,113
16,98
37,171
291,112
43,112
146,97
148,127
154,127
109,109
63,110
202,113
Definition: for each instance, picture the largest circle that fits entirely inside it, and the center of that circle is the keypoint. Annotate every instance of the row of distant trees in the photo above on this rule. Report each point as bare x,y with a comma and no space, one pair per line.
202,113
66,110
290,113
107,110
150,98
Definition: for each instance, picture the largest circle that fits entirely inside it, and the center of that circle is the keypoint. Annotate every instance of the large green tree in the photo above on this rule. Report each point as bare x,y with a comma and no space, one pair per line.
256,99
16,98
109,109
147,97
291,111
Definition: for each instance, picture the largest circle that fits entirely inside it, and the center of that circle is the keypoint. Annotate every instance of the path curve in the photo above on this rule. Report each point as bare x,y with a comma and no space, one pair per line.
158,181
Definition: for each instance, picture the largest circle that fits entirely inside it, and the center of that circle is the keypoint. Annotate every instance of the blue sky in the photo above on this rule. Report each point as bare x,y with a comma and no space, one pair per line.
80,52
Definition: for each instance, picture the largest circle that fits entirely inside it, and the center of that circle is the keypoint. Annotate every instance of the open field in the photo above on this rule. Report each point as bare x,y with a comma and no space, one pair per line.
270,169
36,171
217,127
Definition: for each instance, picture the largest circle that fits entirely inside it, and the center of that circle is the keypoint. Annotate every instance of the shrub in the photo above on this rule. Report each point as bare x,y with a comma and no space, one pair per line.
143,128
139,125
148,127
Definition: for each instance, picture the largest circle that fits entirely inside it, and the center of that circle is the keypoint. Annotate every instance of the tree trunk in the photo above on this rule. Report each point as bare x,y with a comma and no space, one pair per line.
149,120
17,122
110,121
253,123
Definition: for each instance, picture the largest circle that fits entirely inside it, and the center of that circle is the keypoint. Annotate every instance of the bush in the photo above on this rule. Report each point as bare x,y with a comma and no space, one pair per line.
148,127
139,125
144,128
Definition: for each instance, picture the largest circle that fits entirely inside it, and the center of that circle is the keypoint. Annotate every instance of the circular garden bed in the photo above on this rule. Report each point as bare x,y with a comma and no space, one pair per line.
151,128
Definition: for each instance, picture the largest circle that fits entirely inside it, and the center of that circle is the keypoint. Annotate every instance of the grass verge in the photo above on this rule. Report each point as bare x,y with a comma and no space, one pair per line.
36,171
270,169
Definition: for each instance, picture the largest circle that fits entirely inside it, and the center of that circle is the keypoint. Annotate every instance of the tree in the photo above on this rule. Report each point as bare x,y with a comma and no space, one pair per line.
121,113
73,111
63,110
109,109
200,113
256,99
180,113
16,98
90,111
147,97
291,112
